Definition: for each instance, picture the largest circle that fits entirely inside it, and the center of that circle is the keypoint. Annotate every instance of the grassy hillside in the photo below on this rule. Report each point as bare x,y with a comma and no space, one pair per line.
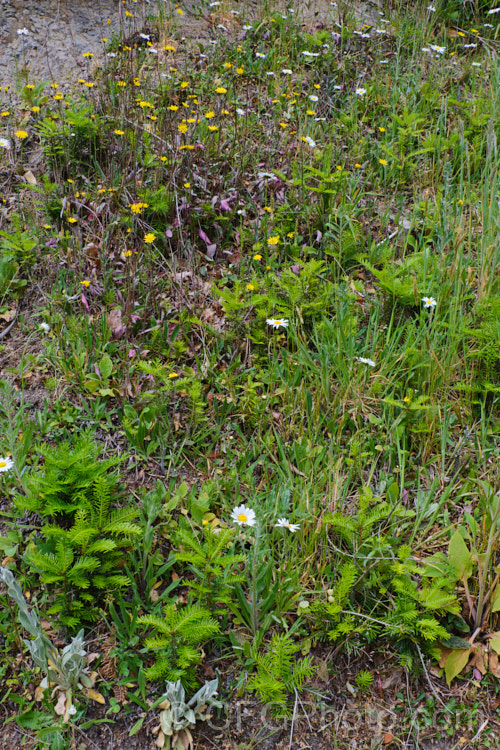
249,337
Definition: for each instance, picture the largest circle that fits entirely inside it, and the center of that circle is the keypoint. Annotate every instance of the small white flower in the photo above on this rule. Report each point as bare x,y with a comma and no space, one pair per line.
384,62
431,9
220,26
493,11
240,111
429,302
277,322
470,46
260,54
23,32
243,516
44,327
287,72
270,73
313,98
72,710
306,53
437,48
247,28
284,523
213,5
4,143
111,54
365,361
145,36
476,65
360,92
152,51
6,463
307,139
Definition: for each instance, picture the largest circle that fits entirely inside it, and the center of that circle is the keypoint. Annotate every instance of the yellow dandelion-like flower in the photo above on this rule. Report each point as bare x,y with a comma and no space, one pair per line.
173,107
239,71
180,11
250,287
228,65
173,375
187,185
35,109
119,132
213,128
149,238
291,235
127,254
58,96
137,81
72,220
21,134
47,226
89,84
257,256
6,113
284,125
54,85
209,115
271,241
169,48
267,209
164,158
383,162
382,130
88,54
138,208
182,127
224,111
128,14
220,90
358,166
85,283
184,84
121,83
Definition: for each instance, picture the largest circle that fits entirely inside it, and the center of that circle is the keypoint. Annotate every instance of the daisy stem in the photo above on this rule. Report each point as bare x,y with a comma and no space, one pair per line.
254,591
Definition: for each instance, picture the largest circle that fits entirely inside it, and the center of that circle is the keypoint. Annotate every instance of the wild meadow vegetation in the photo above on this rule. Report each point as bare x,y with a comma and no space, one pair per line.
250,361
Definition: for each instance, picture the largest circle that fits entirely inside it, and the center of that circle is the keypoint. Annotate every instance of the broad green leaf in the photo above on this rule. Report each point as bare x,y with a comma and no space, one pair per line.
460,555
495,642
455,662
495,601
105,367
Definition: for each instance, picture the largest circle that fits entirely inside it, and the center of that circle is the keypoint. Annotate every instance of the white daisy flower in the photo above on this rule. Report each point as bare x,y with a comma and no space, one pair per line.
240,111
429,302
145,36
243,516
287,71
23,32
260,54
431,9
284,523
365,361
277,322
306,53
313,98
493,11
44,327
4,143
307,139
6,463
437,48
72,710
360,92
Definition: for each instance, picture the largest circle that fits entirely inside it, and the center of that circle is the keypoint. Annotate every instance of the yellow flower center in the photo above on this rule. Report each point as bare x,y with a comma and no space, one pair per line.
2,464
242,517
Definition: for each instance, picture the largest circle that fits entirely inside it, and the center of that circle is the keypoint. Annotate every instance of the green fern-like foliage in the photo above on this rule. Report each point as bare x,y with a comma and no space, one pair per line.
79,553
401,280
180,634
211,564
279,673
67,479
